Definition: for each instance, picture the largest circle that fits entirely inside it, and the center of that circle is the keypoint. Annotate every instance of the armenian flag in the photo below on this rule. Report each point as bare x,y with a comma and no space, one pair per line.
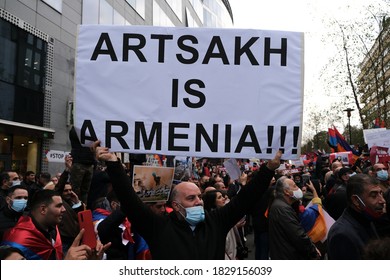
339,144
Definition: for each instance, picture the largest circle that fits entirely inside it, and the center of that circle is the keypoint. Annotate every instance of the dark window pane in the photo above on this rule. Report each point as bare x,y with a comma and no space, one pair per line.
7,97
21,105
22,75
29,106
8,51
31,66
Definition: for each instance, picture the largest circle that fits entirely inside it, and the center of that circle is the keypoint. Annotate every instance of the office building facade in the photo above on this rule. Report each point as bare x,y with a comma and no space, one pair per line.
374,81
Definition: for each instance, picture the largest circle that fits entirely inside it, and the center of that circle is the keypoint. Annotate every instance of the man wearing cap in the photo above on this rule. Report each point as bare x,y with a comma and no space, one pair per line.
336,202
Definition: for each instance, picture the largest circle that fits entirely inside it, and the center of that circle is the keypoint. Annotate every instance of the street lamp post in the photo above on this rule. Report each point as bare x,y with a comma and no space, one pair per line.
349,110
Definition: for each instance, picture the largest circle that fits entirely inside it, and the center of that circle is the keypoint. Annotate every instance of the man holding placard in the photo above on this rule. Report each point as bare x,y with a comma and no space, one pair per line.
188,232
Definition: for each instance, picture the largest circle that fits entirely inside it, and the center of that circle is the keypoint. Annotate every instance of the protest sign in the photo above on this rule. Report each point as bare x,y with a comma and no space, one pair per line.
232,168
379,155
377,137
345,158
204,92
152,183
183,168
298,162
56,156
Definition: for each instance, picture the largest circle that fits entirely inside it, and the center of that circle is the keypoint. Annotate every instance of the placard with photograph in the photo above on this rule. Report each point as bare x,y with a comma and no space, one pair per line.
152,183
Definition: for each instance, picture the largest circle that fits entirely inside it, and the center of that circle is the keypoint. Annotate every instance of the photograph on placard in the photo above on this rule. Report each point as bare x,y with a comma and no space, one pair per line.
152,183
183,168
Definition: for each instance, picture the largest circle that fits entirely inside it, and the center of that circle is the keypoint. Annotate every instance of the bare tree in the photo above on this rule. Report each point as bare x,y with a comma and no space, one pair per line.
353,39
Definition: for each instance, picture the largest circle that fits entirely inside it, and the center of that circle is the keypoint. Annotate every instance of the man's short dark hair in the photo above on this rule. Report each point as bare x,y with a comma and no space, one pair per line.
111,196
4,176
45,175
12,189
377,249
28,173
42,197
357,183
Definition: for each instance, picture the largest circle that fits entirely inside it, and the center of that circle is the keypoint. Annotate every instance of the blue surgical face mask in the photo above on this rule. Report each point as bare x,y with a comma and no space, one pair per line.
19,205
382,175
194,215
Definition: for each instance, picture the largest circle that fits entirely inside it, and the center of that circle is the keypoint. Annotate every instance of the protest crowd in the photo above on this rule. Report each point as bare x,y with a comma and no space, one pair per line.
323,209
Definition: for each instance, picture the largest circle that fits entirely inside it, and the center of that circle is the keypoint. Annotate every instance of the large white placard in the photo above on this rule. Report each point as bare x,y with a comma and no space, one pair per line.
203,92
377,137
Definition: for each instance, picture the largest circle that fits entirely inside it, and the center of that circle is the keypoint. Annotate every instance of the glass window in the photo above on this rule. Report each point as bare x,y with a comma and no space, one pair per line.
5,144
55,4
31,62
37,61
28,59
28,106
7,104
132,3
176,6
198,7
39,44
8,51
22,57
138,6
191,22
159,16
30,39
106,13
22,75
216,14
118,18
90,12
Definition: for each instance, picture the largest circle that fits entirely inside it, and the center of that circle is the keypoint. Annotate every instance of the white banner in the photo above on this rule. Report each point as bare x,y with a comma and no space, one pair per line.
56,156
201,92
377,137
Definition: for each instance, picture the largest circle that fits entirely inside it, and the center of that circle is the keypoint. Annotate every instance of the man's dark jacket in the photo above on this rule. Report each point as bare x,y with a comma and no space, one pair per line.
288,240
169,237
